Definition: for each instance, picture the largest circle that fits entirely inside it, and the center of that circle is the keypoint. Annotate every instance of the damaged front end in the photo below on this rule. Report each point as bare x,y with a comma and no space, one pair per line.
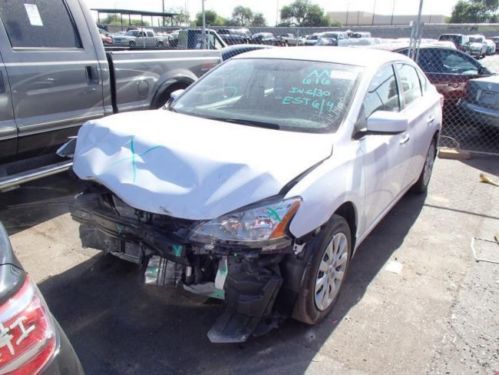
246,258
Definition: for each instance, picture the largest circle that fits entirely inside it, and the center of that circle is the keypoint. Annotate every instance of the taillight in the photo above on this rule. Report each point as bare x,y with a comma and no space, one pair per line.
27,333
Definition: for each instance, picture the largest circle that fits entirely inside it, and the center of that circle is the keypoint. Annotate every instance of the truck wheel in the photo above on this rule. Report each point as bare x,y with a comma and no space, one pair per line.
165,96
160,45
330,254
131,44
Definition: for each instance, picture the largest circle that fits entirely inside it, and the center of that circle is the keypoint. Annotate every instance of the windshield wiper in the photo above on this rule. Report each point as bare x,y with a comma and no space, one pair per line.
260,124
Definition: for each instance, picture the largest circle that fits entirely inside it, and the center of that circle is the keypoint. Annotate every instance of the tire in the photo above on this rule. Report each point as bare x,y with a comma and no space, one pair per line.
159,45
421,185
131,44
310,308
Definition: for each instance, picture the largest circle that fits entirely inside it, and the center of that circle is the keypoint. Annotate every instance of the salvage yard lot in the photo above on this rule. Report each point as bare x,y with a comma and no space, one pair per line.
415,300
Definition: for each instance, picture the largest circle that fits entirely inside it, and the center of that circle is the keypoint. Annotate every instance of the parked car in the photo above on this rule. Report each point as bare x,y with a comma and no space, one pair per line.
32,342
141,38
260,181
107,40
480,103
448,69
477,46
291,40
266,38
193,39
53,79
461,41
496,41
333,38
311,40
235,36
491,47
237,49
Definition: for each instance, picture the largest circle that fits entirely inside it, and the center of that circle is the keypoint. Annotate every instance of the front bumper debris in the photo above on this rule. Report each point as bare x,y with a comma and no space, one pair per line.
249,280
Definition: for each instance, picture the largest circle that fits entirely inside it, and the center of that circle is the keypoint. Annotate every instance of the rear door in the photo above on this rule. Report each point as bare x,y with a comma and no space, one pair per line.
53,70
420,106
8,130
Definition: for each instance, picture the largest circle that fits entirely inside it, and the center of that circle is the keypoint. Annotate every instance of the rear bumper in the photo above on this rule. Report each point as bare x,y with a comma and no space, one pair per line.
65,360
480,115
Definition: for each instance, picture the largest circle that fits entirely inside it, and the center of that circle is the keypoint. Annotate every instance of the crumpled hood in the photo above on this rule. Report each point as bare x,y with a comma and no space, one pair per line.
189,167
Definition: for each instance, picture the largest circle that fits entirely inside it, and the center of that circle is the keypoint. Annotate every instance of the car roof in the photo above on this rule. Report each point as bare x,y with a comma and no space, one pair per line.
339,55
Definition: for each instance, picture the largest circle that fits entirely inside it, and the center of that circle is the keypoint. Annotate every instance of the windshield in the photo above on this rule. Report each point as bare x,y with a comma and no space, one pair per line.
132,33
476,39
279,94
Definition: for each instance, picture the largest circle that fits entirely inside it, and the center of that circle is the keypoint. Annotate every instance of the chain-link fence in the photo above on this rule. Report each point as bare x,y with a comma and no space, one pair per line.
461,66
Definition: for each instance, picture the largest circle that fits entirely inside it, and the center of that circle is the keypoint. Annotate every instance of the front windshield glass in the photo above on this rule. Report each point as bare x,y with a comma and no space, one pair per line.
132,33
280,94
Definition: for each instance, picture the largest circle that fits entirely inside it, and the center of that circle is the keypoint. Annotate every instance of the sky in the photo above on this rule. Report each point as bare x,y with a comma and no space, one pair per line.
270,7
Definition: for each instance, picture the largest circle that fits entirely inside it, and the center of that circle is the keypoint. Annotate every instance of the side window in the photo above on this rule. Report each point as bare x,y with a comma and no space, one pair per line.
424,81
150,34
410,87
430,61
457,63
39,24
383,93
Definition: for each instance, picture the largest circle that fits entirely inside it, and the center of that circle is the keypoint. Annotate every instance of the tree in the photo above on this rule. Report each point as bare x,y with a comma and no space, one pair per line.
212,19
114,20
242,16
474,11
258,20
303,13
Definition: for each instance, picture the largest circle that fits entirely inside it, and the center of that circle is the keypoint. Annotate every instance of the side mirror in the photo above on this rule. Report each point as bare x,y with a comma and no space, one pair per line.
173,96
385,122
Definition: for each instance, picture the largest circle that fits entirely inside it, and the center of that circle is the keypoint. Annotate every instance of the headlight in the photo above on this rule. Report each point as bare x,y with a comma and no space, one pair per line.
261,223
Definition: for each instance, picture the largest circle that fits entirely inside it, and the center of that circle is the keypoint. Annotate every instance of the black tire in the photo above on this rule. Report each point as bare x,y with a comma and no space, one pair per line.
421,185
160,45
306,309
131,44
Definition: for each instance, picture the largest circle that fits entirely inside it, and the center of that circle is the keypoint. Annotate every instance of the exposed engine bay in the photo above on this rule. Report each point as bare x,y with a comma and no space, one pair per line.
259,285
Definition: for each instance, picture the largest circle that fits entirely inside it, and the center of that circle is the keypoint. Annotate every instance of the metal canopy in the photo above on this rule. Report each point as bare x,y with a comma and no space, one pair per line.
134,12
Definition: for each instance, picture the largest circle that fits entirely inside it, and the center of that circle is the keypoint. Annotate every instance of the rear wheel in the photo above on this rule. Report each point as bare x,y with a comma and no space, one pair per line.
421,186
131,44
330,254
160,45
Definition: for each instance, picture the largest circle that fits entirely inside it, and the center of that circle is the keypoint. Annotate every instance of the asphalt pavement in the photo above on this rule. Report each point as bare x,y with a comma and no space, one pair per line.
415,302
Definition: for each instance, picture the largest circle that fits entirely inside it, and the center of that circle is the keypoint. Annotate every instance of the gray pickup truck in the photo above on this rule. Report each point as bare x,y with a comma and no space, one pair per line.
55,75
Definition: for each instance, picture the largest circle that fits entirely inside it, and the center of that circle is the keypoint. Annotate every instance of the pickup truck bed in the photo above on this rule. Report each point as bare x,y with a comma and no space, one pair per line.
55,75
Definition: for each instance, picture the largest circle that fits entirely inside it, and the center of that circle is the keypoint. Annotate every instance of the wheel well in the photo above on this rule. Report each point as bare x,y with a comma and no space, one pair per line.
347,211
163,97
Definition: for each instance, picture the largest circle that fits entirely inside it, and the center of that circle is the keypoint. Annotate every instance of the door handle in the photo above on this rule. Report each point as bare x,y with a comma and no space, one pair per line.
406,138
92,74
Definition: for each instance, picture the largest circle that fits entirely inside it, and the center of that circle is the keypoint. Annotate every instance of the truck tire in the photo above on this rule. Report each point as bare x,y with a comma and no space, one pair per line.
165,96
131,44
160,44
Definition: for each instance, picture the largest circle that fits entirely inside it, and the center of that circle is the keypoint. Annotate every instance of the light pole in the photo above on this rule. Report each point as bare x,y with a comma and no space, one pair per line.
374,11
348,12
393,12
204,24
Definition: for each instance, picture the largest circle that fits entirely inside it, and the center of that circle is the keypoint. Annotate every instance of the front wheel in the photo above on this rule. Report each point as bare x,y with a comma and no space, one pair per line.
329,259
421,186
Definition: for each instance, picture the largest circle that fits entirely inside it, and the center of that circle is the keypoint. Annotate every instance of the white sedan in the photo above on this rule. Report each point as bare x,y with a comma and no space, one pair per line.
258,183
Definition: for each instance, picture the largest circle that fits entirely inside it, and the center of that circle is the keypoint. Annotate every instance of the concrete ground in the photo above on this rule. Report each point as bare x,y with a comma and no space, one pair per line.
415,301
